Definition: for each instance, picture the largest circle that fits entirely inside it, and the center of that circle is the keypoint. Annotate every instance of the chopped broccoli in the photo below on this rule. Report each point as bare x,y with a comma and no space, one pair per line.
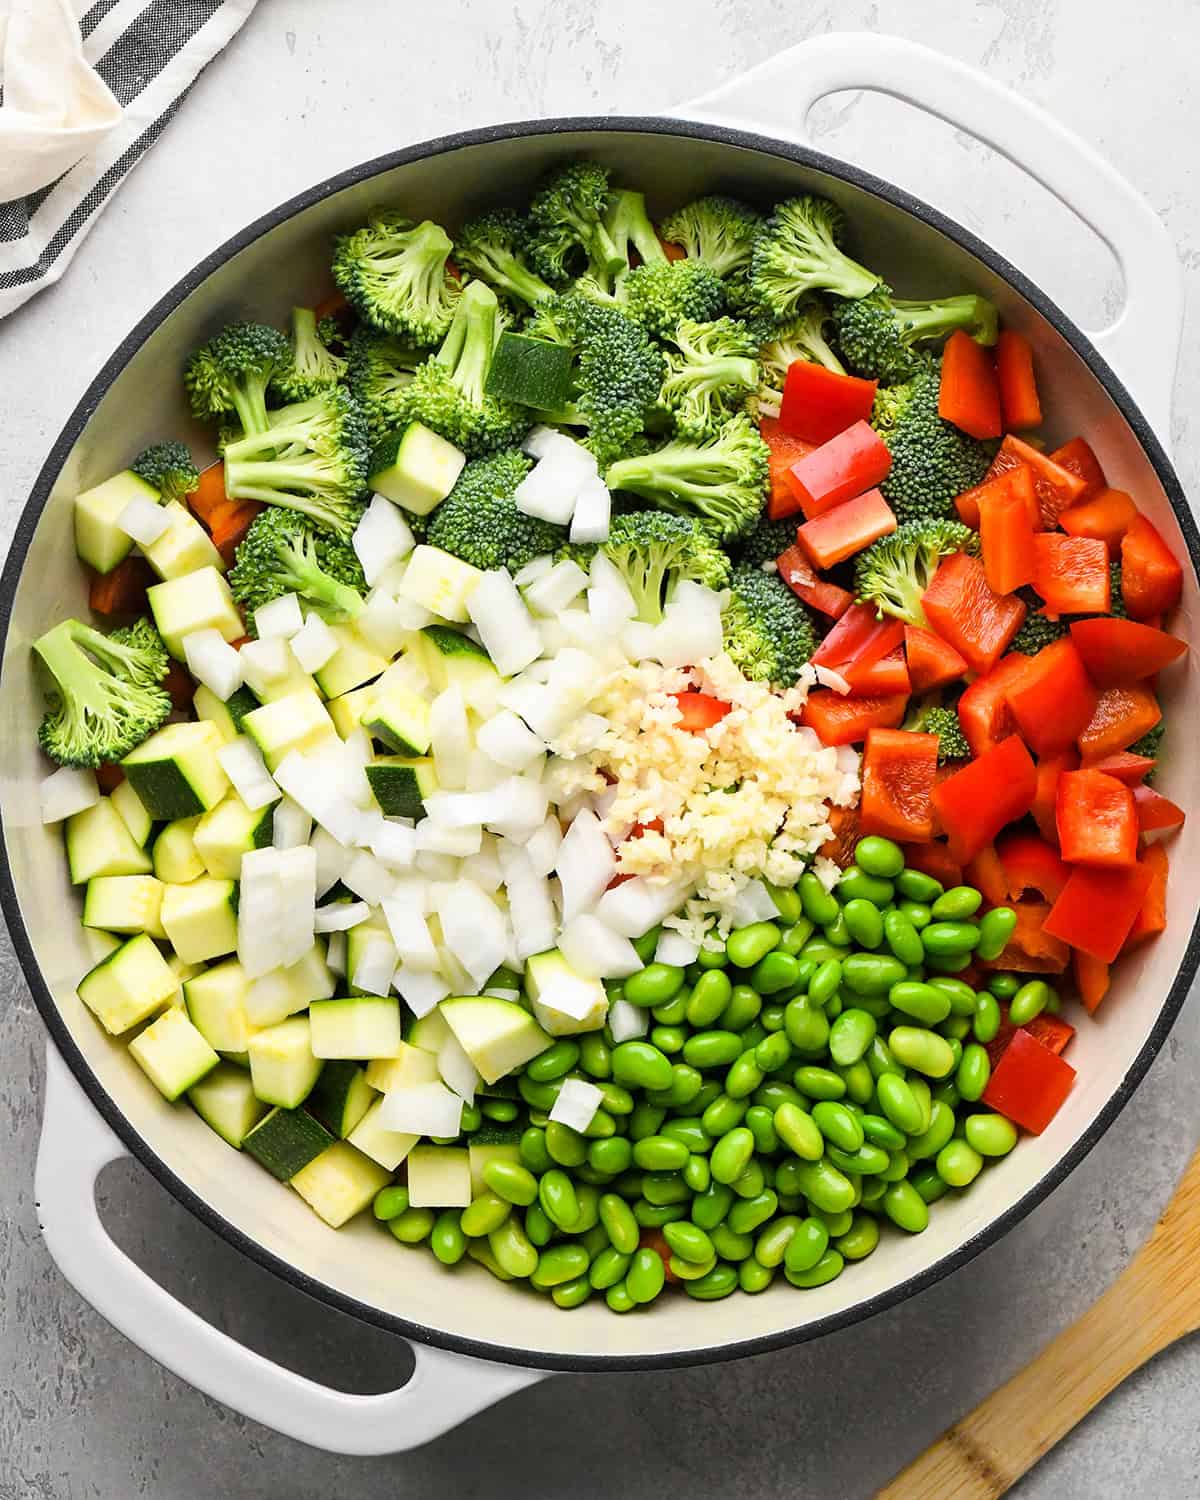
711,376
653,550
932,461
170,468
380,371
447,392
801,337
765,541
877,333
479,520
768,632
931,716
493,247
797,252
568,231
107,695
1150,744
285,553
722,479
630,230
663,295
1037,630
314,367
394,273
1116,604
895,571
717,230
312,457
230,375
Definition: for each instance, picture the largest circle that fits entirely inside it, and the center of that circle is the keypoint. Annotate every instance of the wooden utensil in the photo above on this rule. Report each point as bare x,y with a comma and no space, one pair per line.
1154,1301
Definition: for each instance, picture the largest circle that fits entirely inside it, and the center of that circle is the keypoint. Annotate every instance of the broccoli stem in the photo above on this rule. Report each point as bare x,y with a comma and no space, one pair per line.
303,571
467,349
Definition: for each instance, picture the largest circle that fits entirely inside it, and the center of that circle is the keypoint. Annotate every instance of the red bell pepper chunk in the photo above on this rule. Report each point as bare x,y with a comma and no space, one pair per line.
965,610
1124,765
1031,864
1029,1084
1007,510
845,721
819,403
1052,1031
1091,979
935,860
887,675
968,394
1071,573
986,874
1053,699
1156,814
1097,820
209,495
1123,715
859,636
109,776
847,529
1018,480
1078,459
847,830
1106,516
847,465
1045,799
1120,651
699,711
983,709
783,450
932,662
898,771
122,590
1018,388
1097,908
1152,914
1151,577
1056,487
807,584
987,794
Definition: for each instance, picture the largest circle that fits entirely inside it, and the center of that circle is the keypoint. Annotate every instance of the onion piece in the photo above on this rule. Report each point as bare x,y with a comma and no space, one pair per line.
505,626
596,951
576,1104
144,520
585,864
280,619
67,791
213,661
314,644
340,916
426,1109
242,762
381,538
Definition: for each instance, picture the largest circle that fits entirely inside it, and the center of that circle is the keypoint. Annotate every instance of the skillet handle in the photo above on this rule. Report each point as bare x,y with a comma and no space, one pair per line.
444,1390
775,99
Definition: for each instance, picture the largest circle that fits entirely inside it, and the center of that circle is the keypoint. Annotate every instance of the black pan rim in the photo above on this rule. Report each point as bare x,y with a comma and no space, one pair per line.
140,1148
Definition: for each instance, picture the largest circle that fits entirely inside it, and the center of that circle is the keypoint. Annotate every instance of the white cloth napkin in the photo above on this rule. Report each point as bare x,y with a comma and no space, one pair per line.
88,86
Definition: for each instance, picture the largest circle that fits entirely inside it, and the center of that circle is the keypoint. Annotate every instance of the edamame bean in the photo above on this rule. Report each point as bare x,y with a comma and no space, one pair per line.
564,1145
958,1163
689,1242
689,1131
922,1050
731,1246
619,1223
595,1056
957,904
771,1016
608,1268
860,1086
712,957
919,916
991,1135
687,1270
879,1058
537,1226
905,1207
511,1181
871,973
412,1226
618,1299
709,997
934,1137
641,1065
1029,1001
987,1017
744,1005
963,999
827,1269
806,1246
867,1161
772,1243
787,903
674,1013
902,938
570,1294
753,1278
486,1212
971,1077
923,1002
559,1263
722,1115
856,884
881,1132
720,1282
850,1036
824,1185
835,1223
860,1239
654,1216
533,1150
928,1184
819,1083
538,1095
668,1039
760,1122
611,1156
879,856
865,922
799,1132
697,1174
806,1026
503,1111
747,945
773,1052
1004,986
824,984
390,1202
777,972
446,1239
615,1099
513,1249
995,929
898,1165
837,1124
659,1153
837,933
731,1154
915,885
949,939
556,1061
795,936
744,1076
646,945
558,1199
817,950
819,905
710,1207
899,1103
654,985
924,1096
947,963
752,1035
746,1215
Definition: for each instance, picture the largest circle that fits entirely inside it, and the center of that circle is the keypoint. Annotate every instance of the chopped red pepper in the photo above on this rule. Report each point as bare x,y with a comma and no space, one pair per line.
964,610
1151,918
983,709
1124,765
1071,573
1156,814
932,662
783,450
845,721
1053,699
1055,486
847,830
1029,1084
1097,908
898,771
1006,530
986,874
1018,479
847,529
1078,459
935,860
1097,820
987,794
1106,516
1151,577
1045,799
699,711
210,494
1120,651
860,637
847,465
109,776
122,590
819,403
887,675
1018,388
1031,949
968,394
1123,715
1052,1031
807,584
1031,864
1091,978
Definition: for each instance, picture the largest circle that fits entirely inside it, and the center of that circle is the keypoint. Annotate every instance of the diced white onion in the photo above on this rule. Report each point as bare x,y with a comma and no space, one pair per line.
276,908
450,737
542,846
526,803
143,520
576,1104
540,440
426,1109
531,907
264,663
405,917
537,568
421,990
473,928
610,603
340,916
381,538
434,838
457,1070
314,644
242,762
384,622
395,845
280,619
555,590
637,905
213,661
675,949
291,826
627,1021
67,791
593,512
753,903
335,953
827,677
367,877
483,867
505,626
594,950
331,857
374,970
586,864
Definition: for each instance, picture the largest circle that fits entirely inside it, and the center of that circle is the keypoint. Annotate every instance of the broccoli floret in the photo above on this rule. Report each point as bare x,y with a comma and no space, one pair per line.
170,468
877,334
380,371
312,457
765,541
768,633
284,553
711,376
717,230
447,393
1037,630
931,716
568,232
630,230
797,253
801,337
895,571
663,295
1150,744
722,479
314,367
494,247
932,461
230,375
393,272
479,520
106,698
1116,605
653,550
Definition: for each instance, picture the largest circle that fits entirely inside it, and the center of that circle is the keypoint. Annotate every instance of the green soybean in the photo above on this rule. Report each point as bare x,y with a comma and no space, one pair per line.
837,1124
819,1083
754,1278
957,904
921,1001
865,922
958,1163
611,1156
559,1263
795,937
1029,1001
773,1052
554,1062
744,1005
746,1215
922,1050
714,957
668,1039
619,1224
744,1076
511,1181
537,1226
963,999
806,1026
928,1183
987,1017
1004,986
827,1269
899,1104
871,973
798,1131
710,1207
905,1207
731,1246
824,983
747,945
709,997
595,1055
949,939
513,1249
806,1246
860,1239
564,1145
722,1115
720,1282
974,1070
931,1140
689,1242
660,1153
879,856
446,1239
995,929
825,1186
850,1036
866,1161
991,1135
533,1150
486,1211
559,1201
390,1202
654,985
654,1215
618,1299
412,1226
503,1111
570,1294
881,1132
608,1268
919,916
837,933
688,1270
902,938
915,885
777,972
760,1122
819,905
697,1174
731,1154
641,1065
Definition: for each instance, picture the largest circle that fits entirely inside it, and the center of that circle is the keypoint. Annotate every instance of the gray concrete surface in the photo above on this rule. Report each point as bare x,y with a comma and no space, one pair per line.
309,88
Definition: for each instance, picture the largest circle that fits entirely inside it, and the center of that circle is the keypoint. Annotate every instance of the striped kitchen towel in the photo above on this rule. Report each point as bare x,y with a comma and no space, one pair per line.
88,86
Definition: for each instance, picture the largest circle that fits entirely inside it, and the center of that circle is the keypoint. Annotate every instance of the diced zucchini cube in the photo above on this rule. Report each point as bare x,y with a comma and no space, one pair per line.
531,372
176,772
99,843
227,715
361,1026
496,1035
216,1002
230,830
339,1183
173,1054
125,904
564,1001
197,601
284,991
200,918
400,719
225,1101
440,583
341,1096
134,813
285,1141
401,783
99,541
176,859
387,1147
129,985
410,1066
353,663
282,1064
184,547
415,469
299,721
439,1177
347,711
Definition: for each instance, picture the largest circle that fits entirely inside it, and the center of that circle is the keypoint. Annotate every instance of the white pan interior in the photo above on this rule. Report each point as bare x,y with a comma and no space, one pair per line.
144,402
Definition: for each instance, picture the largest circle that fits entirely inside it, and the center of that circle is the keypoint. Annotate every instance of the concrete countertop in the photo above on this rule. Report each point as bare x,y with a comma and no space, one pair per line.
305,90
